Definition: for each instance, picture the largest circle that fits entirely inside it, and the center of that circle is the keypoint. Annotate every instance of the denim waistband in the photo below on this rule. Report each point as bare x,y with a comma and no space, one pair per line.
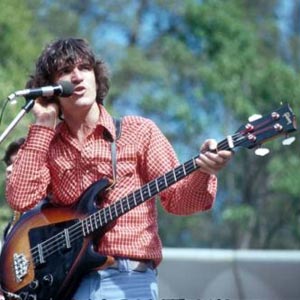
125,264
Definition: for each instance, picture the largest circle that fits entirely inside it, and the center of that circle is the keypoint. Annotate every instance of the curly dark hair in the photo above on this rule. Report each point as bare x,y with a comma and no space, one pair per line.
66,53
12,149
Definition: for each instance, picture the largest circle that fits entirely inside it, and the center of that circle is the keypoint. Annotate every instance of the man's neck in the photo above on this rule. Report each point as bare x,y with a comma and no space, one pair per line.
82,124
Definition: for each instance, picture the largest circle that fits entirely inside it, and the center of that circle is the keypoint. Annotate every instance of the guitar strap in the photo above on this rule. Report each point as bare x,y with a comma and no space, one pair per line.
118,129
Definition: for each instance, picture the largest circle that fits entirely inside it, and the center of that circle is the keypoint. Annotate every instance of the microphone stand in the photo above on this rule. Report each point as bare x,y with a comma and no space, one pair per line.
25,109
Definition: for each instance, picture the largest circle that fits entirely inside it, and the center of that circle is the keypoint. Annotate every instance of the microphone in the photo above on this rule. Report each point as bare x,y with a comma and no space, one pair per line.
62,88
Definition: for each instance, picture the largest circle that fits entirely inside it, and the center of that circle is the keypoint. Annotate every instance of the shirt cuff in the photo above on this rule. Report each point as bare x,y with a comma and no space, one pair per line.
201,179
39,138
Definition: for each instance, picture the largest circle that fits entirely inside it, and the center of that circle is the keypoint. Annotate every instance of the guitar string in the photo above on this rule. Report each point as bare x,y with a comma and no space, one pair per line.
149,193
61,235
75,231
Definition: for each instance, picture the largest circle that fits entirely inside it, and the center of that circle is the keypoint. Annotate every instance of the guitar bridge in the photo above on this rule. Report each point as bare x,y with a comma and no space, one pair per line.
20,266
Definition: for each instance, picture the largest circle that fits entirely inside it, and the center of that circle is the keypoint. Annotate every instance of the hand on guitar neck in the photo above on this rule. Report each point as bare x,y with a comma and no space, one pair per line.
211,160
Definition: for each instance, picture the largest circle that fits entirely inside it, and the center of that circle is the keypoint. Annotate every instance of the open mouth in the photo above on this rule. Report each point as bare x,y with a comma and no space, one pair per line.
79,90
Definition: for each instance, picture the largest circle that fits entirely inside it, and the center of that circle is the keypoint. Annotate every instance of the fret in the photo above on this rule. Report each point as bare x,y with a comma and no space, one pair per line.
174,175
122,209
134,199
184,171
41,255
230,142
87,225
128,206
95,222
141,193
149,191
109,209
166,183
91,227
94,225
99,218
194,163
104,213
83,227
67,238
116,211
156,184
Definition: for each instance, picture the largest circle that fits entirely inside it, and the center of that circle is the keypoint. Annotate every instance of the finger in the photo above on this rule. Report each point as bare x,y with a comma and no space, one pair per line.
225,154
213,162
209,145
214,159
205,162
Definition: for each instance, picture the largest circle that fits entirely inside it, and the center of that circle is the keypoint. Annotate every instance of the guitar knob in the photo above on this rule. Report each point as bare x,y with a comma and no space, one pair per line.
48,280
23,295
34,284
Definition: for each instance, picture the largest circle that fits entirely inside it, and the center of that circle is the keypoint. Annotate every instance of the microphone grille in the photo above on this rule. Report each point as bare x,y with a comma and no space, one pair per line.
67,88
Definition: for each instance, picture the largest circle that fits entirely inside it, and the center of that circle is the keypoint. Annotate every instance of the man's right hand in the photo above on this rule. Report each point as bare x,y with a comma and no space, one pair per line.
45,113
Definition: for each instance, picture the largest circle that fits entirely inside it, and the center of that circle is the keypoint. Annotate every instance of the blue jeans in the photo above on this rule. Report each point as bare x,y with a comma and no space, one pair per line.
121,283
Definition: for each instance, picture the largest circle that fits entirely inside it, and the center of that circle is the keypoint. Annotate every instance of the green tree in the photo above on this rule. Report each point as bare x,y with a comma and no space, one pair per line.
199,69
239,66
20,40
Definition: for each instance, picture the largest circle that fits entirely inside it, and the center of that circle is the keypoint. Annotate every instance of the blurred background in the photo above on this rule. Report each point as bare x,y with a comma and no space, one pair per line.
197,68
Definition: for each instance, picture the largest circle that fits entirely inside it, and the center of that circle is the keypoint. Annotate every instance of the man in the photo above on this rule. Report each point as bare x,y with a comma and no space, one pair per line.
65,159
9,158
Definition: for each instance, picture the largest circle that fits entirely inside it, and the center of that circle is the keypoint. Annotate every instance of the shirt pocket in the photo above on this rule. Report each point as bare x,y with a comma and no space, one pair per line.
63,168
126,161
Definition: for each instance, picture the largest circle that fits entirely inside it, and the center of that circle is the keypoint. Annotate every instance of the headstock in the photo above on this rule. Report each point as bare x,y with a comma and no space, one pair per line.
264,128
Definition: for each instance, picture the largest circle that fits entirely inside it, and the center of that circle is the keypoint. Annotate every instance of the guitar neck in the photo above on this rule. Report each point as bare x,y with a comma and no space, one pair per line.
108,214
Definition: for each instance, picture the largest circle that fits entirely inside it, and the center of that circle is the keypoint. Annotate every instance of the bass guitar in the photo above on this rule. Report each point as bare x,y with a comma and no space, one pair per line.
50,248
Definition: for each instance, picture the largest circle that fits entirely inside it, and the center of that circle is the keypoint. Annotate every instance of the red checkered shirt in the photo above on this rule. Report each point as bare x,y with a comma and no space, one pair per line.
51,161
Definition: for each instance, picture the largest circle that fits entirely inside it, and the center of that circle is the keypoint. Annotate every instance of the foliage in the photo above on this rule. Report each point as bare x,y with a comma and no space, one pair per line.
18,48
199,69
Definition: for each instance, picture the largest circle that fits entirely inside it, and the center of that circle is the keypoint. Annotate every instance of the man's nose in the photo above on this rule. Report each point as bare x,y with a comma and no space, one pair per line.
76,75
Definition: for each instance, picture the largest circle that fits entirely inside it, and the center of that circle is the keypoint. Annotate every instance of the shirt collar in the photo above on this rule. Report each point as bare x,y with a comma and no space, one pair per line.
106,121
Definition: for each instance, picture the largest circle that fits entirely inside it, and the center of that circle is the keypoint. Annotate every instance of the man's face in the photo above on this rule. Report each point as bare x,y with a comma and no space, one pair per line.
82,76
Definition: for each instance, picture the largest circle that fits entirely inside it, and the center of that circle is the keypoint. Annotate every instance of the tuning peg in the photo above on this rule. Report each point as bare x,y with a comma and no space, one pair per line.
261,151
254,117
288,141
13,102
